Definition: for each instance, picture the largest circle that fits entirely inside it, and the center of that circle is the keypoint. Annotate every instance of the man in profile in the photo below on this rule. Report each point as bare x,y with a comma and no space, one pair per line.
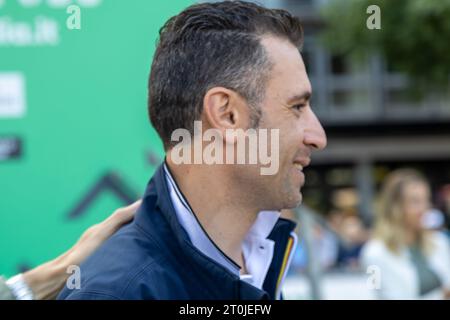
213,230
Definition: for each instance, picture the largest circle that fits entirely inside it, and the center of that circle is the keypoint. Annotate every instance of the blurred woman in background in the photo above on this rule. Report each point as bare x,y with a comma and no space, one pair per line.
413,262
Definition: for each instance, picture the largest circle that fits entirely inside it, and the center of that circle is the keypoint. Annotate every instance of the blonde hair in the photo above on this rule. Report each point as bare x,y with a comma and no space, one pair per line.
390,216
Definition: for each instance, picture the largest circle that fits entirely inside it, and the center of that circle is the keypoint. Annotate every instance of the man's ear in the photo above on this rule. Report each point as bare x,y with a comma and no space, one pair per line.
225,109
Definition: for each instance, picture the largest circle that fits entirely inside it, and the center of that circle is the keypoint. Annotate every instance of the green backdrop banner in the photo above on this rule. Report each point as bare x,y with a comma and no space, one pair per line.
75,140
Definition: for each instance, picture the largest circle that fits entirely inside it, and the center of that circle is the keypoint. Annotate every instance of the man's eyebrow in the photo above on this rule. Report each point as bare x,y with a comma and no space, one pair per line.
298,97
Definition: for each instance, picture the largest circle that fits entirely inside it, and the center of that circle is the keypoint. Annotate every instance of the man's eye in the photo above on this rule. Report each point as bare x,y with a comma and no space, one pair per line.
299,106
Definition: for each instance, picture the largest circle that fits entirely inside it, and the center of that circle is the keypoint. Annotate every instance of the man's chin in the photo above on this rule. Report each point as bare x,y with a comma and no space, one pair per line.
294,201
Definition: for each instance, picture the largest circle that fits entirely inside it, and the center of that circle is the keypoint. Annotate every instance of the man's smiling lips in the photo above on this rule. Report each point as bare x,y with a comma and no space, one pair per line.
299,164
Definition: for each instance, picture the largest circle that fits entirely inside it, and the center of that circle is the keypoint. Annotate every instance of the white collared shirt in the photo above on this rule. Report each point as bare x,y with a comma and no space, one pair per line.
257,248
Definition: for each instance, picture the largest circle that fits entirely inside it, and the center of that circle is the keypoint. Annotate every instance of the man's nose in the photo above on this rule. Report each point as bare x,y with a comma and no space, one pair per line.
314,134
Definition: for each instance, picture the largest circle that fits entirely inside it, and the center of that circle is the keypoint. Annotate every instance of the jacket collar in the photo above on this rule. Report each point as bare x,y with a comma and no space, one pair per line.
157,196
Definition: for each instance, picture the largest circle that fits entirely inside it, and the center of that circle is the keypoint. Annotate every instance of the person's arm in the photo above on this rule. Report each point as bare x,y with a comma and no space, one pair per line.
46,280
5,291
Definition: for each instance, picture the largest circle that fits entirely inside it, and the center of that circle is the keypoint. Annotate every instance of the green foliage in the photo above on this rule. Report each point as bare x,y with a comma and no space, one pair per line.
414,37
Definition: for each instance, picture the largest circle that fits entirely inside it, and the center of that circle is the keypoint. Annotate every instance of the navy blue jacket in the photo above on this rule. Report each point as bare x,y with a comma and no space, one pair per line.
153,258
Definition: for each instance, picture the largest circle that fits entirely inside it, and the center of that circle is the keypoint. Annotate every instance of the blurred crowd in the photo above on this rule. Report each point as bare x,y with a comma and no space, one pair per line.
408,239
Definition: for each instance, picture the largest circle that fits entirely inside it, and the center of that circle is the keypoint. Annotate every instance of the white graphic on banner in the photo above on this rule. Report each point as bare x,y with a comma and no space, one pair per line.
12,95
41,30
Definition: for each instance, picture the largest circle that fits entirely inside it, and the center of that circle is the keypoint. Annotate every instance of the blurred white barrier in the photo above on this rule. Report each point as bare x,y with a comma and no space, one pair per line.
341,286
